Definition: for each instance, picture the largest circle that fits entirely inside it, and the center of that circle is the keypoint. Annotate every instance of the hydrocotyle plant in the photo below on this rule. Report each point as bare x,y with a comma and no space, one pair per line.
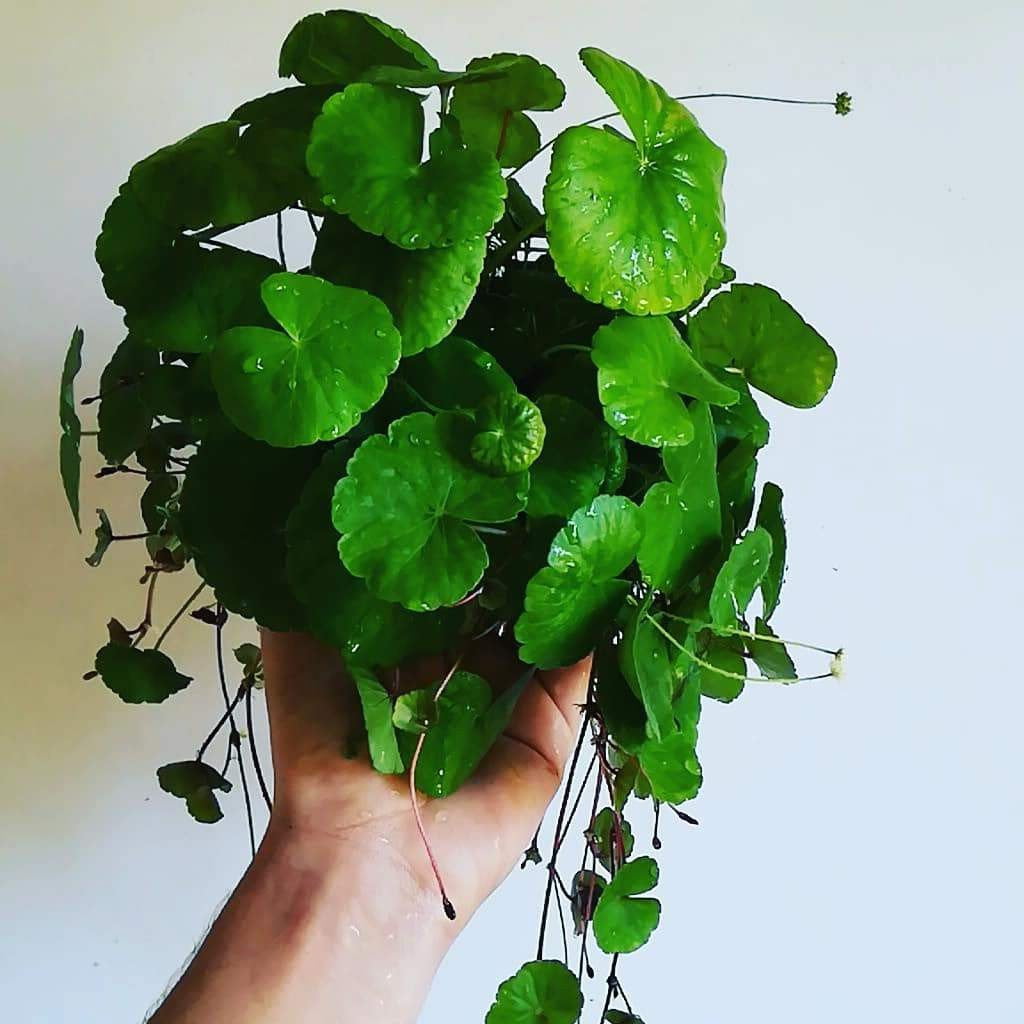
460,412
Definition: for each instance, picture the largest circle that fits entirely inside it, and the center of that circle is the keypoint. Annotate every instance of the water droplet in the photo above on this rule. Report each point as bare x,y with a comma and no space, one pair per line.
252,364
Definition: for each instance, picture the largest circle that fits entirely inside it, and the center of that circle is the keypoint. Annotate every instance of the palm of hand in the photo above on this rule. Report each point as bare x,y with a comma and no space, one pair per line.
478,833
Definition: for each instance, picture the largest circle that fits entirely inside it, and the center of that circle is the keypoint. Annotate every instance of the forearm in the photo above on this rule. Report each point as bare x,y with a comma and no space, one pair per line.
311,935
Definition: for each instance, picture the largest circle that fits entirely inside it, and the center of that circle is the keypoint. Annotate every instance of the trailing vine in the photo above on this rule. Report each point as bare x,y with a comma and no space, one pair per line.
467,414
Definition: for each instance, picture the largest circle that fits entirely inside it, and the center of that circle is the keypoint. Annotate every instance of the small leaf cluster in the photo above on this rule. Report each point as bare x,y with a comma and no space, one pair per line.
463,410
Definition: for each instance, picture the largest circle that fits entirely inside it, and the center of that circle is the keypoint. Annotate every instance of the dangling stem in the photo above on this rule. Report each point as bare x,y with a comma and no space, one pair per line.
502,137
566,348
280,240
445,902
178,614
252,749
734,631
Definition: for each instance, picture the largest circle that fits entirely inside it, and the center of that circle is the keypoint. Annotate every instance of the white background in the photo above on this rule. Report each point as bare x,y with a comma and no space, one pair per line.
859,852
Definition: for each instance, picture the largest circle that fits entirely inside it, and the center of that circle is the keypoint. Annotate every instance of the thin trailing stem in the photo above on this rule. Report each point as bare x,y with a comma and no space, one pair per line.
236,742
280,240
147,615
613,986
749,635
566,348
559,840
253,751
178,614
449,909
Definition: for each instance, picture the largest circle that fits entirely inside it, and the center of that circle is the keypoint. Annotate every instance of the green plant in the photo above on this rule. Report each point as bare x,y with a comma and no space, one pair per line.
463,415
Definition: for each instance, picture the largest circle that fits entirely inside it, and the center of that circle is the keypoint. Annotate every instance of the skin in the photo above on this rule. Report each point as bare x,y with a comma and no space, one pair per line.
338,919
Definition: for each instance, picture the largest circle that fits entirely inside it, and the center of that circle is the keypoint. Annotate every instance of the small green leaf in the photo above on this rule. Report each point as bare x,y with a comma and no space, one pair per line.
403,511
621,1017
671,767
195,783
623,923
603,838
739,578
104,537
643,369
509,434
769,516
380,731
771,657
415,712
722,685
682,518
342,46
584,893
636,224
313,381
71,426
647,667
753,328
137,676
574,600
572,465
365,152
541,992
427,290
491,113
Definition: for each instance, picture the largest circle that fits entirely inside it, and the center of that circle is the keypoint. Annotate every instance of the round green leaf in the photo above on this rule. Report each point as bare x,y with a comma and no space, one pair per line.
490,113
542,992
636,225
195,783
739,578
365,152
623,923
339,608
455,375
571,602
313,382
643,369
234,505
427,290
510,434
138,676
404,512
671,766
341,46
573,462
753,328
71,426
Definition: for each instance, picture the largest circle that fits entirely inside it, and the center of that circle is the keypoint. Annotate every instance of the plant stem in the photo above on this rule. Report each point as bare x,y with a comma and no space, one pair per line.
733,631
280,240
566,348
178,614
252,749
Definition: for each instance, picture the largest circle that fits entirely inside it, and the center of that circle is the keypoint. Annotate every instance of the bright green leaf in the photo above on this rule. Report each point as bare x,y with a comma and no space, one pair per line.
671,767
313,381
509,434
647,667
770,656
137,676
455,375
722,685
643,369
623,923
636,224
753,328
415,711
769,516
195,783
541,992
71,426
739,578
380,731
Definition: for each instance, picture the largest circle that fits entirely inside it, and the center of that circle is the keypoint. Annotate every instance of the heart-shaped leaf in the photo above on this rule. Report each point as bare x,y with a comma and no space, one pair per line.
427,290
313,381
754,329
509,434
137,676
71,425
490,113
342,46
365,152
195,783
404,512
623,923
770,518
643,369
380,732
636,224
541,992
739,578
571,602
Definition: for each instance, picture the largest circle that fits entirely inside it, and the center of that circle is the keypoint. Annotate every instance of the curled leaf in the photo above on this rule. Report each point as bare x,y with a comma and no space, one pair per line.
509,434
71,426
195,783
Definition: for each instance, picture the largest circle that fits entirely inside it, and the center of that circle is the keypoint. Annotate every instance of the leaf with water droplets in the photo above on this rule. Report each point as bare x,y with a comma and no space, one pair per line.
365,152
644,368
541,992
622,922
314,380
71,426
636,224
571,602
739,578
195,783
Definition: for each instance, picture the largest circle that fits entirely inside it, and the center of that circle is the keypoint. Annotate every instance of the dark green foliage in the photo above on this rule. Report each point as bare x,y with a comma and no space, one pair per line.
195,783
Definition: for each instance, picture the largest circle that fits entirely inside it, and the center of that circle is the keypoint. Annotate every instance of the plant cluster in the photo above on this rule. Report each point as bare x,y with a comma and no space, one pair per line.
464,413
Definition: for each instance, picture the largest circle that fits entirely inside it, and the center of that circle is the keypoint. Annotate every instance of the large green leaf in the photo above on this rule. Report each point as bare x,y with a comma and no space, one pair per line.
339,608
234,505
647,667
622,922
541,992
491,113
574,600
313,381
636,224
769,517
682,517
427,290
404,512
380,732
573,462
753,328
643,369
739,578
341,46
71,426
365,152
195,783
137,676
509,434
